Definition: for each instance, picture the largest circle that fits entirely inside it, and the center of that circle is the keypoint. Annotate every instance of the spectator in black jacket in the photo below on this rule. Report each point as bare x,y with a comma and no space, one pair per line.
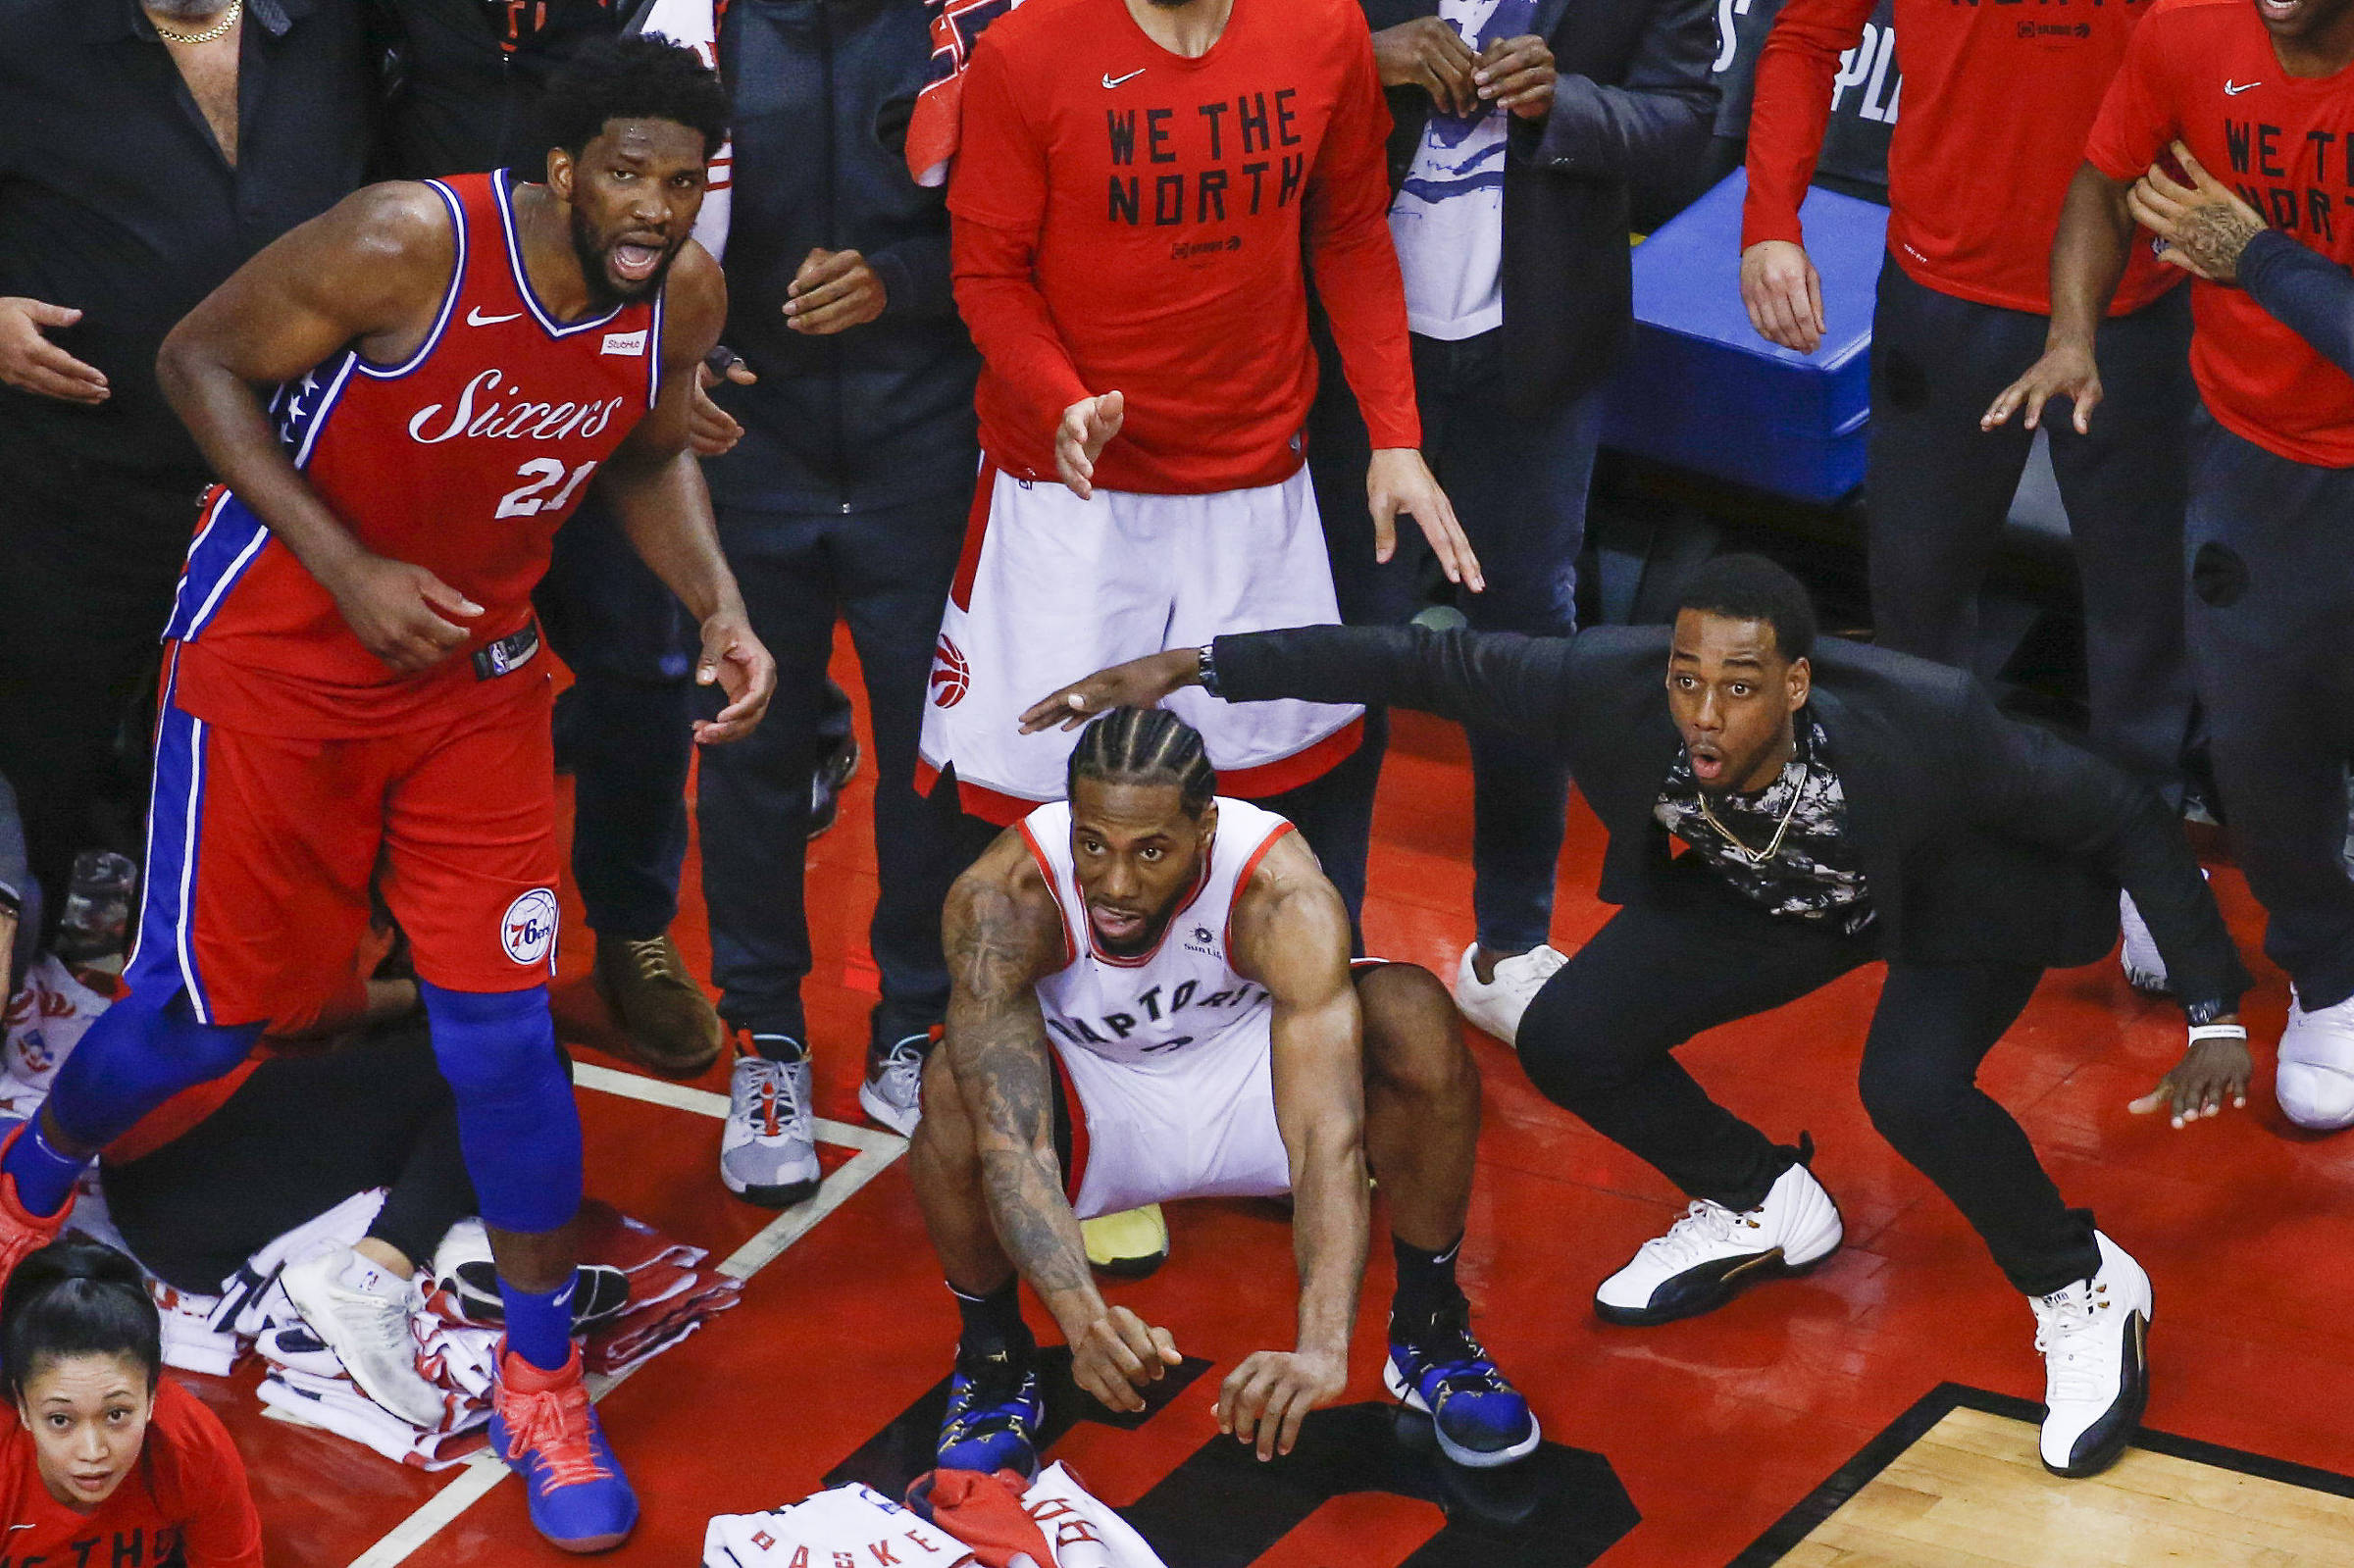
147,153
1522,128
847,496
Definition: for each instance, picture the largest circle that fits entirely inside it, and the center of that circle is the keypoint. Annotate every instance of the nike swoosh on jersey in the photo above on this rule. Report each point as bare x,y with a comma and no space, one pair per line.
475,318
2230,91
1110,80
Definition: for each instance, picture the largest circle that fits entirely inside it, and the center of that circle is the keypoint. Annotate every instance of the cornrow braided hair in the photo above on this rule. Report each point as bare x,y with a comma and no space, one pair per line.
1135,745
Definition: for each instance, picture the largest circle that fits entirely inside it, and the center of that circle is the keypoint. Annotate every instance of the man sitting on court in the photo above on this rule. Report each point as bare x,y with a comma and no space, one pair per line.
1183,963
1839,804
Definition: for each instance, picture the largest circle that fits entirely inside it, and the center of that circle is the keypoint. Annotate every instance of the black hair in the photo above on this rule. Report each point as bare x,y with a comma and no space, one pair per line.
633,77
1144,745
75,1296
1750,587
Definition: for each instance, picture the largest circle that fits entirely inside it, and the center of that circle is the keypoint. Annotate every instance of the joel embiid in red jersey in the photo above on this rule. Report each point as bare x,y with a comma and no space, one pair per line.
353,684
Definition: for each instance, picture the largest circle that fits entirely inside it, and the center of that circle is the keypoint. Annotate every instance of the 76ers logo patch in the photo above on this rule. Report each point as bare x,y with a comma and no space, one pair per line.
528,928
951,675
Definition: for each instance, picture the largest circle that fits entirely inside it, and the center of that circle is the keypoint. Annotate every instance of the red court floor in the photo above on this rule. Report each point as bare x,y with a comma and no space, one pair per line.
1713,1429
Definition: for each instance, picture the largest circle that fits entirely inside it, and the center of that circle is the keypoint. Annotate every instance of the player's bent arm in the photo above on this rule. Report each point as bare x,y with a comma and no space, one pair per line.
652,479
2088,260
1001,938
1291,934
372,271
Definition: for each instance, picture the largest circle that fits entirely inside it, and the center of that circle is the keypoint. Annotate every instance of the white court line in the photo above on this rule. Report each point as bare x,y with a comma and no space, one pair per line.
876,1151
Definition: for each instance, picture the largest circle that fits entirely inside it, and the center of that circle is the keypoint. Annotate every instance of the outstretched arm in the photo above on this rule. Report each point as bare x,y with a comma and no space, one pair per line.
372,271
656,488
1291,934
998,945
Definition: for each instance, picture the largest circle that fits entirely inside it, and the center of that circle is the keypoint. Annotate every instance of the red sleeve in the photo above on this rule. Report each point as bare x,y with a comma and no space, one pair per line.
997,208
1348,244
2137,117
219,1528
1790,108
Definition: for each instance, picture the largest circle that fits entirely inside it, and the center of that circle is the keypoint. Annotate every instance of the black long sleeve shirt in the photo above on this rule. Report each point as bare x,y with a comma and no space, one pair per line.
115,198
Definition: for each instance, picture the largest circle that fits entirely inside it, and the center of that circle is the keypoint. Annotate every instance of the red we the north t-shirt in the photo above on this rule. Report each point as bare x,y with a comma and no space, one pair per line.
187,1493
2204,70
1129,219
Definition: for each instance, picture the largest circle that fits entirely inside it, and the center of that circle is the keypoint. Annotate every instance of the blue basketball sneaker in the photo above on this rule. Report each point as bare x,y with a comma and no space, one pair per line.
542,1425
1441,1369
993,1413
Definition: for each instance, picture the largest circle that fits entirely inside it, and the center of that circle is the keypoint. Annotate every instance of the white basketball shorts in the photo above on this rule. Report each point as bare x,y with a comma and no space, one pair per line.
1053,588
1196,1123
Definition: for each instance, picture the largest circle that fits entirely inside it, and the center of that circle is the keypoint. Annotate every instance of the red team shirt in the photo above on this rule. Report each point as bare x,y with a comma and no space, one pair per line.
1130,221
1996,101
2204,70
464,460
187,1493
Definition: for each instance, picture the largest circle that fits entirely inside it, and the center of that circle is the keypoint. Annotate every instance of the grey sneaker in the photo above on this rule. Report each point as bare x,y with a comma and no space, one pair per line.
768,1149
894,1090
368,1329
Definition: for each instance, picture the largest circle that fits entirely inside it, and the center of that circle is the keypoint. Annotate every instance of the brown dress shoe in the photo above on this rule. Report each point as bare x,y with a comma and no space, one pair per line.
667,1021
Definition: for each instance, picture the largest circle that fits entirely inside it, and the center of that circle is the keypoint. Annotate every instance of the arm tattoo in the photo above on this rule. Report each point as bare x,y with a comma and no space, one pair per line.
2213,236
998,1039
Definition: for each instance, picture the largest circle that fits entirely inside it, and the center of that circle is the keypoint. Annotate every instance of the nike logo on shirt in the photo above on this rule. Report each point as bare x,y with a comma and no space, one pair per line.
1110,80
475,318
2230,91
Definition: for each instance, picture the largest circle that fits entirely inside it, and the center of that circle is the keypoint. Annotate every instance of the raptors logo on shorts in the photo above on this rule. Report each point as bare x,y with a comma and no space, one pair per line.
951,674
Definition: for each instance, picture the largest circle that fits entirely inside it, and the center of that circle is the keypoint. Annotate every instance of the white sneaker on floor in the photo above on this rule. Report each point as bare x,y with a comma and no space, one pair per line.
2313,1081
366,1326
2094,1337
768,1148
1713,1252
1496,1006
2145,970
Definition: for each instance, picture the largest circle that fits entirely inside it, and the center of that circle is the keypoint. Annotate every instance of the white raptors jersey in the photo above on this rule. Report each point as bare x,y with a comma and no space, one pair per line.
1150,1010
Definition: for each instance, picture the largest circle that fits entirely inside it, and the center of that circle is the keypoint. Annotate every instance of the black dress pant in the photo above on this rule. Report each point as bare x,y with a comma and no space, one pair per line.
89,553
1939,489
1599,1038
297,1137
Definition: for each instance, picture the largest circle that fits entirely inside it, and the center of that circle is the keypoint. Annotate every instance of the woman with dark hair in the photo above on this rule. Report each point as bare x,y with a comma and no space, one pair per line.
107,1460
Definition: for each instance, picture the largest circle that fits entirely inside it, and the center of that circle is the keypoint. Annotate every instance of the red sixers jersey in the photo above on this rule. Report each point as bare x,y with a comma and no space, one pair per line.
463,459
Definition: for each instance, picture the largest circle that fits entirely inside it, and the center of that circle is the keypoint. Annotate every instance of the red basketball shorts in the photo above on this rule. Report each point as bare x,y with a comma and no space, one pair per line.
260,851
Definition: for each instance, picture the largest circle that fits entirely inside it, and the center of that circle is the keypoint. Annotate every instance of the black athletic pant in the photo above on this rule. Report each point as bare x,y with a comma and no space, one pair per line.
89,553
1600,1040
300,1136
1939,489
2271,548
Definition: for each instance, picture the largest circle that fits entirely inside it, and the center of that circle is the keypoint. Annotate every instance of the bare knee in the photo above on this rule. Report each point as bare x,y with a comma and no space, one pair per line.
1413,1041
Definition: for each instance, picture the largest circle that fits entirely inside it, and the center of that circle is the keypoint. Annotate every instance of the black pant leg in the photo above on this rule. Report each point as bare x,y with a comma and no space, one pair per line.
297,1137
89,553
430,1191
1937,487
1599,1039
625,727
1936,1024
2125,487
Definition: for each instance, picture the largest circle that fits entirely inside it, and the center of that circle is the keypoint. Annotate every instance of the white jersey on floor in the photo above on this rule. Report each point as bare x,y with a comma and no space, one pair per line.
848,1527
1169,1053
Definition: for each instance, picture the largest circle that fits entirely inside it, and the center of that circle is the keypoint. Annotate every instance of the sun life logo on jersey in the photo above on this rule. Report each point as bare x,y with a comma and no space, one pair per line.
1202,943
528,928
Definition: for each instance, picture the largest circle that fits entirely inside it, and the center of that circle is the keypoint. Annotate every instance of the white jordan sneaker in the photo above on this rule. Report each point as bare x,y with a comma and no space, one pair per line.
366,1326
1713,1252
2313,1081
2145,970
1496,1005
2094,1337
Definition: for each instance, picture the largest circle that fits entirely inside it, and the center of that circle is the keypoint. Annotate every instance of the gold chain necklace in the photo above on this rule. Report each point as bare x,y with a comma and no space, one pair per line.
229,20
1759,857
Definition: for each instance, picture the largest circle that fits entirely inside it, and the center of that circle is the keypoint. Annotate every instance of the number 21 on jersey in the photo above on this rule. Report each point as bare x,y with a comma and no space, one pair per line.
544,474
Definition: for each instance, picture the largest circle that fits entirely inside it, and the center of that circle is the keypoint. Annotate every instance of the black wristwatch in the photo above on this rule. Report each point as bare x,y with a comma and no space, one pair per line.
1207,671
2207,1012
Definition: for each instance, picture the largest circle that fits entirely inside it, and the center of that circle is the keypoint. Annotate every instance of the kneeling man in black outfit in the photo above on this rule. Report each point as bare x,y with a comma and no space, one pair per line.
1841,805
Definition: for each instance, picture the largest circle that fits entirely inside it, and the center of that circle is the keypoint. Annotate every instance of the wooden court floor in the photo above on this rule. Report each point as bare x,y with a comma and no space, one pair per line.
1875,1412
